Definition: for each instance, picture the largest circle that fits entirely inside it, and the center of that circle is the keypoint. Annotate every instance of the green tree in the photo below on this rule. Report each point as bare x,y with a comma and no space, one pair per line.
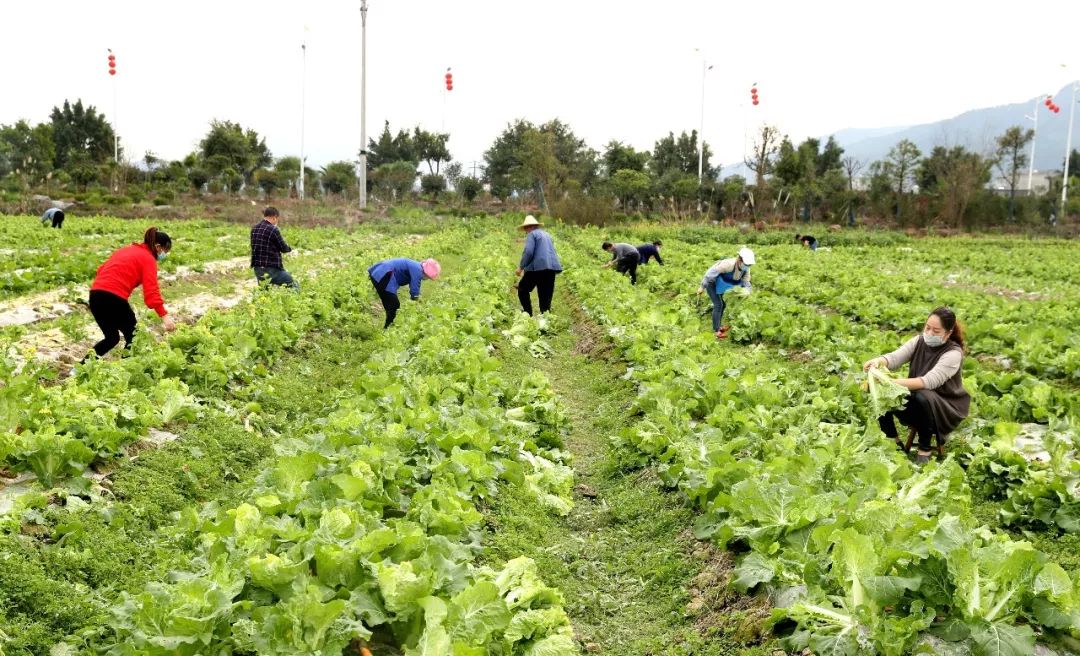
229,146
394,180
81,135
952,177
269,180
903,159
432,184
390,148
630,186
548,159
430,148
339,177
27,151
469,187
621,157
1010,159
680,154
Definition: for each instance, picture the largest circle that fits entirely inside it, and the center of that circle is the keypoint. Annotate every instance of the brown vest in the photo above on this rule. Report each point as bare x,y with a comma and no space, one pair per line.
950,403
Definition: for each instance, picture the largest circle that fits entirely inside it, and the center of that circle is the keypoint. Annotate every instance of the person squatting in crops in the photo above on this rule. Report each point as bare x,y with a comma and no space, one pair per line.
624,258
267,245
126,269
389,275
721,277
649,251
53,215
538,266
807,241
938,401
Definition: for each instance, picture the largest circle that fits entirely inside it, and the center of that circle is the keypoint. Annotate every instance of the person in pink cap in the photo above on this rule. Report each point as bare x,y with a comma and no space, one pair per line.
387,276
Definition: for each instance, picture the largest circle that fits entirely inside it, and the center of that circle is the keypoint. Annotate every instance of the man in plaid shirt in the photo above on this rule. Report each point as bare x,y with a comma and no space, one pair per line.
267,245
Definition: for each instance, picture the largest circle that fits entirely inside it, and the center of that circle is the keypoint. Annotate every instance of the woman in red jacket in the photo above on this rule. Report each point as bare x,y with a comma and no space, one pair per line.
125,270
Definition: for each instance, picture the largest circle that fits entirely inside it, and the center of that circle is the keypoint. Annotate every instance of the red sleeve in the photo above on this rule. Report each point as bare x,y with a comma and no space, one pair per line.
151,291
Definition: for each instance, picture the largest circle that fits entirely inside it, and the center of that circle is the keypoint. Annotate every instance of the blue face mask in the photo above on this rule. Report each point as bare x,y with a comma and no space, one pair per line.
744,268
161,256
932,340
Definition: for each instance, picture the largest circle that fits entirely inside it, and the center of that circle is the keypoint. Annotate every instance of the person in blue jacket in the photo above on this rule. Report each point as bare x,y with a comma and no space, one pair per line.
55,215
649,251
538,266
389,275
722,276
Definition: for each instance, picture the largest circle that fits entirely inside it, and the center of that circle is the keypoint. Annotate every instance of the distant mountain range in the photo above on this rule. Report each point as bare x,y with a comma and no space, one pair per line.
975,129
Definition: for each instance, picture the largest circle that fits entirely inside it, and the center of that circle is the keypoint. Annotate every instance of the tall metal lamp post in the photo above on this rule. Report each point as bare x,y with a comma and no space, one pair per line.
363,104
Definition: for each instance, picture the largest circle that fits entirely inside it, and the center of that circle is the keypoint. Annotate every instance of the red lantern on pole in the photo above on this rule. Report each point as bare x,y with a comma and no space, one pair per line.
112,63
449,80
753,95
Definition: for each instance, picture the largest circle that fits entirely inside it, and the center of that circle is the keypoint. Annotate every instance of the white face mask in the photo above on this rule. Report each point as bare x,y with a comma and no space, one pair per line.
932,340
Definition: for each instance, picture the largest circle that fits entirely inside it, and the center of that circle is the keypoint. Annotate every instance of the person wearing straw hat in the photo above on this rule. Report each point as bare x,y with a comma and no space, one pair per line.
390,275
722,276
538,267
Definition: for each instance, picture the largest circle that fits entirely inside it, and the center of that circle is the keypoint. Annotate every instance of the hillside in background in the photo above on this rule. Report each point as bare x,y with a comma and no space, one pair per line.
975,129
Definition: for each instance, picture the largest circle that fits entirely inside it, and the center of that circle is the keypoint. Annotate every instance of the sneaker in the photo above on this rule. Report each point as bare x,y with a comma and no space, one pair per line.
921,459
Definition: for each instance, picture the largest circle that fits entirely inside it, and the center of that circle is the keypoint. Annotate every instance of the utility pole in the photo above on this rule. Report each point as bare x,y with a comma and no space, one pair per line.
303,96
363,104
1068,152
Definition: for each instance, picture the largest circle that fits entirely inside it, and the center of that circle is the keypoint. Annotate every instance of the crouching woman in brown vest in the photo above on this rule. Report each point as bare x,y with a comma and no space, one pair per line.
938,401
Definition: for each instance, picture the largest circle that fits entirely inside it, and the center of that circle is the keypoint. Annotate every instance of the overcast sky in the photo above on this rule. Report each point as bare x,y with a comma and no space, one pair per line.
624,70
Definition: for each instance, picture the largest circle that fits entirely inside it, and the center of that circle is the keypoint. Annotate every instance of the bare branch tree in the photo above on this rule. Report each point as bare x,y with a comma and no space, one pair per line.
765,146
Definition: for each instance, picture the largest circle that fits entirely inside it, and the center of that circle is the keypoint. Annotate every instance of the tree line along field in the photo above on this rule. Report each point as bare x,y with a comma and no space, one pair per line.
325,487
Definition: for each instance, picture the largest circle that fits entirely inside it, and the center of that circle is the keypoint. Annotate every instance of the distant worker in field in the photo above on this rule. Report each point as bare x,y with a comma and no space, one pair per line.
53,215
267,245
126,269
649,251
624,258
721,277
389,275
807,241
938,401
538,266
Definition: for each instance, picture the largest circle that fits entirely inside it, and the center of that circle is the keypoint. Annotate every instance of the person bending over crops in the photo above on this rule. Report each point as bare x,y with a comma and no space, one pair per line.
624,258
721,277
538,267
53,215
387,276
649,251
267,245
125,270
807,241
938,401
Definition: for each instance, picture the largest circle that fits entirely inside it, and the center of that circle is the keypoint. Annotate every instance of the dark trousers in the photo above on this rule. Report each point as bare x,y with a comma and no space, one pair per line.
275,276
628,265
543,282
57,219
115,317
915,414
390,301
718,306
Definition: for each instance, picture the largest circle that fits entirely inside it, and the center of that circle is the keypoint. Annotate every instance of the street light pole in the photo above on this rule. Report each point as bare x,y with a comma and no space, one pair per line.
303,99
1034,135
363,104
1068,152
705,68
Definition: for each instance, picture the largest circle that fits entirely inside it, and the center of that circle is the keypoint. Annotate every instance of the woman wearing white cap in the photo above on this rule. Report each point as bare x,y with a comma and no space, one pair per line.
722,276
538,267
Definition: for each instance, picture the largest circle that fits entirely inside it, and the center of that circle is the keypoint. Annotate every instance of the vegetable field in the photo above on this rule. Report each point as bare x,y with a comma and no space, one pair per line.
280,476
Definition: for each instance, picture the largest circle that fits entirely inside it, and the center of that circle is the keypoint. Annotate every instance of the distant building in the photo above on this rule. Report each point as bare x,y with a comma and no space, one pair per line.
1040,183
